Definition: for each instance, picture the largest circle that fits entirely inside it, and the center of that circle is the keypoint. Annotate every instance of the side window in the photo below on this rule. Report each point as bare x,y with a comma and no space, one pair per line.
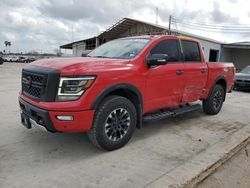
191,51
169,47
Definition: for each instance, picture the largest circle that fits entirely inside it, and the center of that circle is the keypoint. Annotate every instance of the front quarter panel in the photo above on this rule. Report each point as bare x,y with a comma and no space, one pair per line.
131,76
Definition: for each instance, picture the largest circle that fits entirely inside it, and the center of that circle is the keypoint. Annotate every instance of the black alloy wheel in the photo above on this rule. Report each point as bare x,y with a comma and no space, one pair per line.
114,123
117,124
213,104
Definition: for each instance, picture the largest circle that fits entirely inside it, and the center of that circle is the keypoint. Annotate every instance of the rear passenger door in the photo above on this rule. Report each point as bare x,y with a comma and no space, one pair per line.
195,69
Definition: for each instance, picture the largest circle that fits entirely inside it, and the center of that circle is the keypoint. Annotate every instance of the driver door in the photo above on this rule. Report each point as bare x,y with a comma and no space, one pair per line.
165,83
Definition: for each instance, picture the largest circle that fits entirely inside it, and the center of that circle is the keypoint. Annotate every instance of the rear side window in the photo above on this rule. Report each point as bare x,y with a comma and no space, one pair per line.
191,51
169,47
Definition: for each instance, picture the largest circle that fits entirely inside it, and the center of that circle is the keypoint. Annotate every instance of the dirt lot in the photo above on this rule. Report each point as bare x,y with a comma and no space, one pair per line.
32,158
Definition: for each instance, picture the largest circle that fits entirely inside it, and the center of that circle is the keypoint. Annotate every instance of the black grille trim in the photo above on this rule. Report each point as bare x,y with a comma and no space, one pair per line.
33,84
40,83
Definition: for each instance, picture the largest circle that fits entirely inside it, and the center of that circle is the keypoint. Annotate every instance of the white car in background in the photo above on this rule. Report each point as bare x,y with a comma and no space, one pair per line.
11,58
14,59
7,59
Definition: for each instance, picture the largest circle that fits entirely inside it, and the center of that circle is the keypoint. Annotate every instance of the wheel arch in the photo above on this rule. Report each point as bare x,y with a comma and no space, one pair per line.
126,90
221,80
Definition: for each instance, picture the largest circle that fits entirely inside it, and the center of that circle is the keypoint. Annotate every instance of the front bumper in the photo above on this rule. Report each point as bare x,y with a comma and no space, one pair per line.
82,120
242,84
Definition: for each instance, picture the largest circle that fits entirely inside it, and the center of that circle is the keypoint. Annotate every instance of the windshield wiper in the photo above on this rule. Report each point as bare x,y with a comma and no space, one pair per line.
99,56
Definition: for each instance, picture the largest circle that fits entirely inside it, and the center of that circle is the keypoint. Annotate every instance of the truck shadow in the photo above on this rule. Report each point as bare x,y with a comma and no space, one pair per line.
155,127
242,90
77,145
61,145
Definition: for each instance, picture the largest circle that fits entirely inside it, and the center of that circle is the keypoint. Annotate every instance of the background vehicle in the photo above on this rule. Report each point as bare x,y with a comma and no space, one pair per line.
121,84
13,59
242,79
22,59
4,58
7,59
1,60
30,59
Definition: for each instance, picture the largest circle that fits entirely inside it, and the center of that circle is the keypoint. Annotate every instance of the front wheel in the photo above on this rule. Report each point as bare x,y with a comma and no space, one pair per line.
114,123
213,104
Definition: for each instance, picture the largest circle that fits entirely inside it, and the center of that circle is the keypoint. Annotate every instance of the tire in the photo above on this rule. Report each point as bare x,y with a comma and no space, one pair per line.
114,123
235,88
213,104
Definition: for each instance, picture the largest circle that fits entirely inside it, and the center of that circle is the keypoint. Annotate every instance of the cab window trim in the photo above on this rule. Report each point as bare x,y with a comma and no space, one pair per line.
182,51
178,49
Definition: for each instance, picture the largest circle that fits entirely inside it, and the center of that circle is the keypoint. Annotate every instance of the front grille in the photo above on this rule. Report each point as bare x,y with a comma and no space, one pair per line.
40,83
33,84
246,81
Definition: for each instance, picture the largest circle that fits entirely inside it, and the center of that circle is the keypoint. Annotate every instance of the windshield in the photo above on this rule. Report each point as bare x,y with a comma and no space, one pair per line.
246,70
120,48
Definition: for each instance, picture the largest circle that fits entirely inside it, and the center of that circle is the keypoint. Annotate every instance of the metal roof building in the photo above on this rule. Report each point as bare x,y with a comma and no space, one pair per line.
214,50
239,53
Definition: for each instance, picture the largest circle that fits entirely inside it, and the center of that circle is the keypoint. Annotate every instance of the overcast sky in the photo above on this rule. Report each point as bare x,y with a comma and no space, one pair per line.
44,25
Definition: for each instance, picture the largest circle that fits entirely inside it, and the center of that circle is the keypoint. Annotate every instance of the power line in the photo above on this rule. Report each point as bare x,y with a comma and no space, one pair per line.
215,29
211,27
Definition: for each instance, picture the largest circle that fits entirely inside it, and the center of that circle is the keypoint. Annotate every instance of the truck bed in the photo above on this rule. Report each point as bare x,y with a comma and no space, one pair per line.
217,70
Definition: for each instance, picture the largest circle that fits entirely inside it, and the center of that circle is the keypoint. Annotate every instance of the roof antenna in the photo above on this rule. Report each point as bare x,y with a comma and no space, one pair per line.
156,15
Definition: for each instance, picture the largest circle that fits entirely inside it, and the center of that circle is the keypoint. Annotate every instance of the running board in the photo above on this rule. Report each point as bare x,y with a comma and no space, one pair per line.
163,114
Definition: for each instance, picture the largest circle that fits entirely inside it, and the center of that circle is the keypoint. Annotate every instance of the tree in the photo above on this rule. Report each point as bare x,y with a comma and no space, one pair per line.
6,43
9,43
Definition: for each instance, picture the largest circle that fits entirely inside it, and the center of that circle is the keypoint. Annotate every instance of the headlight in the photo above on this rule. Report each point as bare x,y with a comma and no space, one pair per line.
73,88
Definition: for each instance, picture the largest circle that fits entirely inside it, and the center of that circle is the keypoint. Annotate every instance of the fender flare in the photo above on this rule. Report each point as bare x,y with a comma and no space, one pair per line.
124,86
221,78
217,79
114,87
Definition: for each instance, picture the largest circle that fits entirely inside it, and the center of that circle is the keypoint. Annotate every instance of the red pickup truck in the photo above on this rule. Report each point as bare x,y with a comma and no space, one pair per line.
121,84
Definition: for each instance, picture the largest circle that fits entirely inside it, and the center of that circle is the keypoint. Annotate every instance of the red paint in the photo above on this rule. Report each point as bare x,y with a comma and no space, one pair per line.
82,121
159,86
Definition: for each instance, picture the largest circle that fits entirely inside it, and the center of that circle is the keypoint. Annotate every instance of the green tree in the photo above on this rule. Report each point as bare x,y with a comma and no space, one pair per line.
9,43
6,43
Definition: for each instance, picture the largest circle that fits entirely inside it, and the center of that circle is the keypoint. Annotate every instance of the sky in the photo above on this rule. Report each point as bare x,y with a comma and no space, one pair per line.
44,25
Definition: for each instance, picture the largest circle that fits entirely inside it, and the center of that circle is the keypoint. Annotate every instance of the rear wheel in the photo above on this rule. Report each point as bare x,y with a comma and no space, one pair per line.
213,104
114,123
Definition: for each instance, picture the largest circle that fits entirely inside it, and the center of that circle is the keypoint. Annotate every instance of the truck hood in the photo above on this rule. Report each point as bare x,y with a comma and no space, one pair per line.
83,64
242,76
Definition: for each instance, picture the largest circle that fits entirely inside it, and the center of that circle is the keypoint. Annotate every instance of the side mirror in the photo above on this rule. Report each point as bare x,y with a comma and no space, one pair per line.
157,59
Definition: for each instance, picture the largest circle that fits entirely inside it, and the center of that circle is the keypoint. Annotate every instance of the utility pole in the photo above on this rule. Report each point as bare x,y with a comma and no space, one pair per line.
156,15
72,32
169,25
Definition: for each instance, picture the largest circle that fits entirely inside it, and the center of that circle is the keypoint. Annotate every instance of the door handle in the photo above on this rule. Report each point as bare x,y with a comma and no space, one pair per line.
203,70
180,72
